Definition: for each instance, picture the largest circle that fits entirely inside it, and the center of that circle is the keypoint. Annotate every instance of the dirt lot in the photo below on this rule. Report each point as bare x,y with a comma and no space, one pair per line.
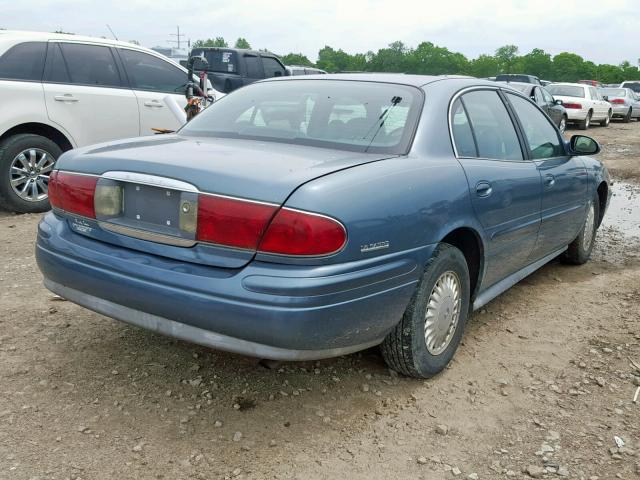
541,387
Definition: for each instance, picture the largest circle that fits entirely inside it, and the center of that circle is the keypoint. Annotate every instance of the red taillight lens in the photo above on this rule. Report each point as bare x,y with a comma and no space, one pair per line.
617,100
572,105
72,193
232,222
293,232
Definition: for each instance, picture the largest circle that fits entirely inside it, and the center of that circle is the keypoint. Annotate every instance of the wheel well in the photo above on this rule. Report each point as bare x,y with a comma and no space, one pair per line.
603,193
40,129
468,242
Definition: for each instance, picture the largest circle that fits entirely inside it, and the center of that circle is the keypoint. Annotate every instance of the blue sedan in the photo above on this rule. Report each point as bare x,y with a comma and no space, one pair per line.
309,217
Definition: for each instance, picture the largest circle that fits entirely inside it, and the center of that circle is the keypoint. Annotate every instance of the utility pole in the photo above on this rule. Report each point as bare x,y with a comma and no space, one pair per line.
178,36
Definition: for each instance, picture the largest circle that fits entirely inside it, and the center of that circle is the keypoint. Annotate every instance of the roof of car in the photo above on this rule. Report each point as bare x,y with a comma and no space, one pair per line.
401,78
42,36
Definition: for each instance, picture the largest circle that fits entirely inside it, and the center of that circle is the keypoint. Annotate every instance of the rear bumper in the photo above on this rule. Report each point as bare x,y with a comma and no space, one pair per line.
267,310
575,115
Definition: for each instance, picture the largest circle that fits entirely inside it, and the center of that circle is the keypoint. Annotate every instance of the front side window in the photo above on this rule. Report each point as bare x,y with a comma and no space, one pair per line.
495,134
147,72
547,96
542,137
594,93
24,61
537,96
345,115
272,67
92,65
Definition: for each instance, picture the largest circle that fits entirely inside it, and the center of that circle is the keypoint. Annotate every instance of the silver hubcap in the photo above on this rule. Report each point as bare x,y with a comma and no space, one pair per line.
29,173
443,313
588,227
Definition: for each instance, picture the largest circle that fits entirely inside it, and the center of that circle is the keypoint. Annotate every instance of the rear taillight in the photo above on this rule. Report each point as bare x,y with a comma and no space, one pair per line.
232,222
572,105
293,232
617,100
72,193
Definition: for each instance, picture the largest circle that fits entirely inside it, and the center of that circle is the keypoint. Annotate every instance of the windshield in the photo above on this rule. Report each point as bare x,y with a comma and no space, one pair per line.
614,92
220,61
346,115
566,90
635,86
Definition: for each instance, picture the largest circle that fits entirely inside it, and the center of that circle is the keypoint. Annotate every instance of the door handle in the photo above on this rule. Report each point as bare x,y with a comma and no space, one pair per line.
483,189
549,180
67,97
153,103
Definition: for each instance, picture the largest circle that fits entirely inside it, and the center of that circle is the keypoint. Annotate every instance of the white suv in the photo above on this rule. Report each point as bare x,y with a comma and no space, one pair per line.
60,92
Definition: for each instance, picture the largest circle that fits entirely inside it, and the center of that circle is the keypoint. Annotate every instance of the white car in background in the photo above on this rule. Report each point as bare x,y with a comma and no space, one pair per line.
60,92
584,104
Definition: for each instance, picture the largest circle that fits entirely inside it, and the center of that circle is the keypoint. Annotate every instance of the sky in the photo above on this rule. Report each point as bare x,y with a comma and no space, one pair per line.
604,32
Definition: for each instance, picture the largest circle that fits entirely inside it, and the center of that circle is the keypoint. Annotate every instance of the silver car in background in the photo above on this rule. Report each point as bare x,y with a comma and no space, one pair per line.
624,103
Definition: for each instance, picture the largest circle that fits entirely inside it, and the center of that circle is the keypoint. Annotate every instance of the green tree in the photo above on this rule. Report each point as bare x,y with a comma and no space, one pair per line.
537,62
211,42
506,57
242,43
296,59
567,67
429,59
334,60
484,66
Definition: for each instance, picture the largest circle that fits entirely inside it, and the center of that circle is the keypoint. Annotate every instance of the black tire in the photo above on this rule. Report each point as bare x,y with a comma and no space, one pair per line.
580,249
10,148
586,123
562,126
405,348
606,121
627,117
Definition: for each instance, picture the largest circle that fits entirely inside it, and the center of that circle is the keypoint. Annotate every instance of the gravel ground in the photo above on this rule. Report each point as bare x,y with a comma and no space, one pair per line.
542,386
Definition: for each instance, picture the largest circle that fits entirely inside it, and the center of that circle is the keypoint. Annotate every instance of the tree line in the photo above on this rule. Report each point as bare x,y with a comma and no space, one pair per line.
430,59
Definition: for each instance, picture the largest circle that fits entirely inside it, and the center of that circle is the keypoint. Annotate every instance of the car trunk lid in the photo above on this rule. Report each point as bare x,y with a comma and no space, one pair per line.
159,181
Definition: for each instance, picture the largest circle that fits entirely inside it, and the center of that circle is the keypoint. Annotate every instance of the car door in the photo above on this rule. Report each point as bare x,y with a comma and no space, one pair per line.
564,179
154,82
253,68
86,95
601,109
505,188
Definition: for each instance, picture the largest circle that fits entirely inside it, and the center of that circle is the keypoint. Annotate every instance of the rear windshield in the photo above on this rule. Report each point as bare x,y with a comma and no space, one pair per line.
635,86
614,92
345,115
514,78
566,90
220,61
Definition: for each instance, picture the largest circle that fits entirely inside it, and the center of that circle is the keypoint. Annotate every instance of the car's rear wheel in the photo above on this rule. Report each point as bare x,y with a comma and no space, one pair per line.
586,123
606,121
562,126
26,161
427,337
580,249
627,117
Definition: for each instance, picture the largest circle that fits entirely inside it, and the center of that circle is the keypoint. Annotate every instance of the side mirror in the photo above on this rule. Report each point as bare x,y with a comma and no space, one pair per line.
605,97
558,102
583,145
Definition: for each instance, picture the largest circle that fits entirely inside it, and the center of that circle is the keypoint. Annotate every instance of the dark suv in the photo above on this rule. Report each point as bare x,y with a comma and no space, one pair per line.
231,68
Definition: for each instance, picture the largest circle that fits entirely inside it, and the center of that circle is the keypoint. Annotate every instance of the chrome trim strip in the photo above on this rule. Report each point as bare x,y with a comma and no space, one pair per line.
240,199
193,334
147,235
151,180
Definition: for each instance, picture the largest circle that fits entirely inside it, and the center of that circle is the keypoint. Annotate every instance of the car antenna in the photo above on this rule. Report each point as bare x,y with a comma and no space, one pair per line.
395,100
114,35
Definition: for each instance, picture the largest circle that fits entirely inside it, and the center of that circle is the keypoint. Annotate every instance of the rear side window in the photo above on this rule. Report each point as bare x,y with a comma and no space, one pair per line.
494,131
541,135
24,61
272,67
462,134
254,66
92,65
147,72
